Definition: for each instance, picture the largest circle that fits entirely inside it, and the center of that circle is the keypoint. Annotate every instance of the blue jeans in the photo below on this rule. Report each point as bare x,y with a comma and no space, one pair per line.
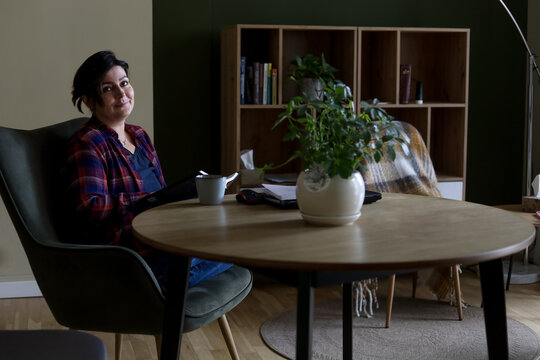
204,269
199,271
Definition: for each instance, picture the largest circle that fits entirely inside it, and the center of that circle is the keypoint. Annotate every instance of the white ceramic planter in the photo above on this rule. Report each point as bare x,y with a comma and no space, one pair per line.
312,87
329,201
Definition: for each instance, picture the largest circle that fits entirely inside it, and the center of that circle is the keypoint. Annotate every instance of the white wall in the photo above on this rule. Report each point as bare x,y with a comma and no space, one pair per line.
42,43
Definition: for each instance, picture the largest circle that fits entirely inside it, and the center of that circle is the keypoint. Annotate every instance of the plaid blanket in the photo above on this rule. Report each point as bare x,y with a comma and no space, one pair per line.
411,173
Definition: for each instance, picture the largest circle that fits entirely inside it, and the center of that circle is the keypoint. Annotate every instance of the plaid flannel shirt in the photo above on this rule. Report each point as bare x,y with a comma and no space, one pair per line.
103,186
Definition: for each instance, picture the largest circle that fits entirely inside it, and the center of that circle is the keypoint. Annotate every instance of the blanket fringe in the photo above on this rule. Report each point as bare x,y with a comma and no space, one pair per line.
365,293
439,280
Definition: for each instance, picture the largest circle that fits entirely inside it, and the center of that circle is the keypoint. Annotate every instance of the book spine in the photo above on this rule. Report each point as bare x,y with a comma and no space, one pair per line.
242,80
269,87
404,83
274,86
249,84
265,84
256,69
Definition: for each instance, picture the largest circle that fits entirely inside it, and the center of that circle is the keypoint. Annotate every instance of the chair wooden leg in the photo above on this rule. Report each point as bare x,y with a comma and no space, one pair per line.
117,346
159,339
227,334
414,283
390,298
457,287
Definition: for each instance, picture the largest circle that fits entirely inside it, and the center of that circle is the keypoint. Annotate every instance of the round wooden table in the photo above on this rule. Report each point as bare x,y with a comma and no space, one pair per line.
398,232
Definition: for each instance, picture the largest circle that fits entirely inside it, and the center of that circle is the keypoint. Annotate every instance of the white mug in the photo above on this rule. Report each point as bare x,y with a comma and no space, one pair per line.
210,188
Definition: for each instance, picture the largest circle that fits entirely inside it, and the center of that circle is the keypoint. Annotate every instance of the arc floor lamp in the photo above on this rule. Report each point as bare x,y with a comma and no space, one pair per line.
533,67
525,273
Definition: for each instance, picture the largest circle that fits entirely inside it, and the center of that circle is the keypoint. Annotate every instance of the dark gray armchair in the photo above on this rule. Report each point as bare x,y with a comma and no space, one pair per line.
92,287
50,345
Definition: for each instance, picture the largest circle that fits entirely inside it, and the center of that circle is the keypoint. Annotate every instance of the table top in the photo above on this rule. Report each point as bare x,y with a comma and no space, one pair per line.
517,208
397,232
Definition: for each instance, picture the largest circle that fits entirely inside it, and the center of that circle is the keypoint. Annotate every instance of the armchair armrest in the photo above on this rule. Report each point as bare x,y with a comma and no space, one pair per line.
106,297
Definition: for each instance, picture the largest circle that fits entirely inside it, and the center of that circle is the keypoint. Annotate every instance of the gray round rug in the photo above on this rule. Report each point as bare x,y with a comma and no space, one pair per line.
419,329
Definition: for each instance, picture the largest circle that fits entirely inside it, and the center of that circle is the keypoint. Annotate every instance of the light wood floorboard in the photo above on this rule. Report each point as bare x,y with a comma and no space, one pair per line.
266,299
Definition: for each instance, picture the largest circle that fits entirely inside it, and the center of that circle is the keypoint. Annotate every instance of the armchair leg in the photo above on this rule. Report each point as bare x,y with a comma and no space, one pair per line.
227,334
117,346
159,339
390,298
457,287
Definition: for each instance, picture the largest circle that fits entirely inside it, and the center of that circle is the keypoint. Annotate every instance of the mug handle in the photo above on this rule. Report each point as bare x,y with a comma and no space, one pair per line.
230,179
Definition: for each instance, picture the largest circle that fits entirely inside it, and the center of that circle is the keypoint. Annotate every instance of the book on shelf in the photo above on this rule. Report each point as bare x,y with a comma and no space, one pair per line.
258,83
249,84
256,79
265,84
269,85
274,86
242,80
404,83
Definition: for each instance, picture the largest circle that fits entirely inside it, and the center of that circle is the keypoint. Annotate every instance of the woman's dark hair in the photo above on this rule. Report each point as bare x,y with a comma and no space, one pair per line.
88,78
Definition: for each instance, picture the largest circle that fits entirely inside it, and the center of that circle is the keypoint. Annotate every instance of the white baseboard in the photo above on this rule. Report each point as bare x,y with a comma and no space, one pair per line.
17,289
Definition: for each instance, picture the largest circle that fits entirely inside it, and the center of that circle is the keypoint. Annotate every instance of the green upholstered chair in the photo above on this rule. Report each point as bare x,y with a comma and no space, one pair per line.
93,287
50,345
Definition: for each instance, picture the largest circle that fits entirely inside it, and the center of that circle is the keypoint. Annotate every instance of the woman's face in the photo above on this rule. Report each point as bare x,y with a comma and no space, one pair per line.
117,97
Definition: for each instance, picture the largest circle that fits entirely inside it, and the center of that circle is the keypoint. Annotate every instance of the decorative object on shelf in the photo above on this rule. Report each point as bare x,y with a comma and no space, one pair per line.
334,143
311,73
419,98
528,201
404,83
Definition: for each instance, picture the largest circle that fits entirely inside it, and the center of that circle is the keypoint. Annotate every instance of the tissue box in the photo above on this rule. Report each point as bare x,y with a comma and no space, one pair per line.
530,204
250,177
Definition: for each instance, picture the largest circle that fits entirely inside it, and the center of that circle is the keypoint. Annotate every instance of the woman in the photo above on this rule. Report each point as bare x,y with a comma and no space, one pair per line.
111,165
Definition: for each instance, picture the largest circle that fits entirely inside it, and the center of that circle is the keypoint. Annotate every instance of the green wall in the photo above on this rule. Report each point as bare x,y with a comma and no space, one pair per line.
186,76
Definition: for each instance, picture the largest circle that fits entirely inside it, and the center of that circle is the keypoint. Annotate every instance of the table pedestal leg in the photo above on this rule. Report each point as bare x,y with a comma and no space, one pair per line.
492,282
347,321
304,317
177,286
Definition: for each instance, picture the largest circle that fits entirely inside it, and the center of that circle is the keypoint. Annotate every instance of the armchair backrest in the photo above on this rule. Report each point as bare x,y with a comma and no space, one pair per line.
30,182
75,279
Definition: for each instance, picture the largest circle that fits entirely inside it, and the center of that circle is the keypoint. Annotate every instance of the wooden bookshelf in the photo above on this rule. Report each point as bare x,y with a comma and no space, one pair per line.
368,59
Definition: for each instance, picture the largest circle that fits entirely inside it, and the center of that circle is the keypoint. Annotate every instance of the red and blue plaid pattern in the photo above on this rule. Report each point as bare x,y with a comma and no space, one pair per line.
103,187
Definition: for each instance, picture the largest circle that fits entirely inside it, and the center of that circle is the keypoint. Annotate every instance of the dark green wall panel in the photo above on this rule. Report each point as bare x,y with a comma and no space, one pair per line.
186,76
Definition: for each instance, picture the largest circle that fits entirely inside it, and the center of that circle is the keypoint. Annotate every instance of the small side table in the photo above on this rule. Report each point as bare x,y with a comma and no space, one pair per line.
522,272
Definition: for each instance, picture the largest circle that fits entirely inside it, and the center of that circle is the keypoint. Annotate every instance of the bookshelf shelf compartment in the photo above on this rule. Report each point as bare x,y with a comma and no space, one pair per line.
378,54
439,60
256,133
337,45
368,60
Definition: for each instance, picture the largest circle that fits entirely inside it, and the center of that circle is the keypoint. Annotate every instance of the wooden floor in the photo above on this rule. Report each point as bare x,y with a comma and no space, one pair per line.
266,299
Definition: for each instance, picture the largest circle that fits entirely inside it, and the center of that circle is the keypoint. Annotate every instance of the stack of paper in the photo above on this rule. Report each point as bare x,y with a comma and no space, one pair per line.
281,192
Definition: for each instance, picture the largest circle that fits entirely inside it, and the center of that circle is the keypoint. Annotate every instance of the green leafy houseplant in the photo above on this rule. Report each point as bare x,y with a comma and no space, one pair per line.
333,137
312,66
